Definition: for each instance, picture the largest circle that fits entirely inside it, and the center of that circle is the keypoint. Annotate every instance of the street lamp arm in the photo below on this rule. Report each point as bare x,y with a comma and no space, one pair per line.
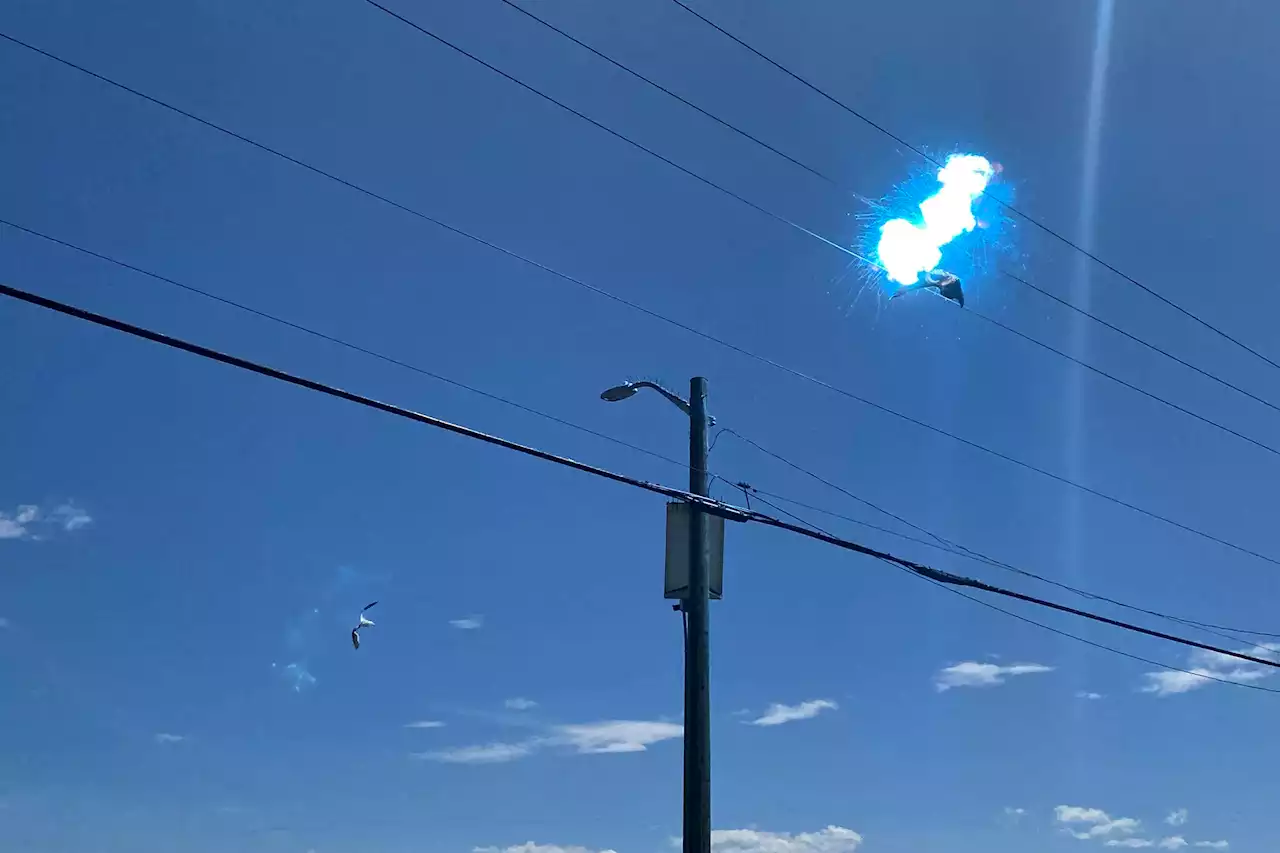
676,400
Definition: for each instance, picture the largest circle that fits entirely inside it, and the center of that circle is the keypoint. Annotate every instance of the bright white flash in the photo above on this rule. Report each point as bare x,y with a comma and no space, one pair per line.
906,249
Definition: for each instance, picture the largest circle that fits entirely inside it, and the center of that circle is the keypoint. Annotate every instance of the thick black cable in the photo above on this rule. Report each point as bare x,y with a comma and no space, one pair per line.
950,546
1186,528
1025,217
839,186
941,585
240,306
705,504
957,550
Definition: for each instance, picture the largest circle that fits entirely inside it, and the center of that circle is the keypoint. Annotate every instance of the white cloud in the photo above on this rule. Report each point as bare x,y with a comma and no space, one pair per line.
1178,817
1174,842
833,839
70,517
1213,845
1085,694
1086,823
617,735
1128,842
975,674
1205,668
489,753
610,736
17,525
424,724
520,704
165,737
28,519
468,623
777,714
530,847
1014,813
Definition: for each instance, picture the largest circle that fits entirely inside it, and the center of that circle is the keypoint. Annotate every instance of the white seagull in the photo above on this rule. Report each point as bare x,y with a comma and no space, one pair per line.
364,623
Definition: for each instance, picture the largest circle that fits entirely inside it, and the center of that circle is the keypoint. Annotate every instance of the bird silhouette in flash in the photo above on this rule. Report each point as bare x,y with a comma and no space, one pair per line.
947,284
364,623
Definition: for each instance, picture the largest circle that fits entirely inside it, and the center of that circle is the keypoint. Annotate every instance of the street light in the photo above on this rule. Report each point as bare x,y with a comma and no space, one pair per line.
627,390
697,691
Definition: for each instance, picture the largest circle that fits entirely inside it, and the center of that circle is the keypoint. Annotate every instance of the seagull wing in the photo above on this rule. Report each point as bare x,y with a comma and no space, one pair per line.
367,606
355,638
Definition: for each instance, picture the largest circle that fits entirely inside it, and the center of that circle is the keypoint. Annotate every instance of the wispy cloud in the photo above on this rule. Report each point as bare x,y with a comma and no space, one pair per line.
605,737
833,839
1212,845
1014,814
1175,842
166,738
1128,842
29,521
70,517
617,735
1206,668
424,724
468,623
1177,817
1092,697
519,704
4,623
976,674
1087,823
777,714
489,753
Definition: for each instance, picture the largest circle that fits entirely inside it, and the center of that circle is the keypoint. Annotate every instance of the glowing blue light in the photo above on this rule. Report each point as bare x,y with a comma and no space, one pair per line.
907,249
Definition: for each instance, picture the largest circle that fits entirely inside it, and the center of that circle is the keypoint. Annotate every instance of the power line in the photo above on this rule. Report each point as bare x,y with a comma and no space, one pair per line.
705,504
944,586
635,306
840,186
780,218
562,105
1027,218
950,546
338,341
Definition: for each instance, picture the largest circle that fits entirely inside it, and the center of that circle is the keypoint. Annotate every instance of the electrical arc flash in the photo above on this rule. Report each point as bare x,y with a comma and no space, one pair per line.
908,249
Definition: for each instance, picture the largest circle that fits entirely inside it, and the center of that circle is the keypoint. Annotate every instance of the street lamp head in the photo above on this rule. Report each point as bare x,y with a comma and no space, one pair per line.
619,392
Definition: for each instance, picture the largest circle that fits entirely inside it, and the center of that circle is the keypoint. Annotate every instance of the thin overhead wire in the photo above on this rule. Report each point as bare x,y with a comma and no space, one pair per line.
635,306
1067,634
1025,217
703,503
952,547
615,134
1170,404
838,185
240,306
780,218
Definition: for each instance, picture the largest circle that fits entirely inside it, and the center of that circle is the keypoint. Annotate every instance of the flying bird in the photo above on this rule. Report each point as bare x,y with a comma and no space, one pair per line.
947,284
364,623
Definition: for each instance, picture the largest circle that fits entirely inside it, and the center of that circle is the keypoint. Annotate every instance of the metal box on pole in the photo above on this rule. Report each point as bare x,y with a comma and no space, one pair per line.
676,584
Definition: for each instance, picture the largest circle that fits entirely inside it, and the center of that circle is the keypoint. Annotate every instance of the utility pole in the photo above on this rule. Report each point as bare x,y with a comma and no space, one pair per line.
697,687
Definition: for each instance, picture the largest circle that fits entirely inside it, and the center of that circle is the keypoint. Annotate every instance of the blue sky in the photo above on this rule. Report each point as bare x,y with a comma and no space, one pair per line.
184,548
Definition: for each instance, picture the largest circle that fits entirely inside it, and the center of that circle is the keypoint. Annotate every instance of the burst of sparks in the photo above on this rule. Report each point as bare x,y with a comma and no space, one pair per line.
907,249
